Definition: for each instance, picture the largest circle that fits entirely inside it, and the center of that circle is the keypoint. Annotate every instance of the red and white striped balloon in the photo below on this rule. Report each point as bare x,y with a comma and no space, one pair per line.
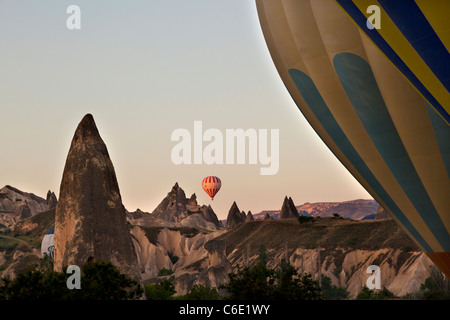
211,185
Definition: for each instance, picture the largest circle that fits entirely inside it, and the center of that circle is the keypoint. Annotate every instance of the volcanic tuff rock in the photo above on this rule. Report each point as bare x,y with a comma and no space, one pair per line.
184,252
24,211
51,200
342,249
11,198
219,266
90,220
17,205
288,209
175,207
235,216
207,213
216,252
249,217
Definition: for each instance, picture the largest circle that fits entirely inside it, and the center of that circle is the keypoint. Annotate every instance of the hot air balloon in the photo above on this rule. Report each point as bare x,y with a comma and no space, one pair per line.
48,244
378,98
211,185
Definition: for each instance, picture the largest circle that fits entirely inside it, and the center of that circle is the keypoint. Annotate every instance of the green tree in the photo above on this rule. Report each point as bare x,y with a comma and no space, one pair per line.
164,290
294,286
436,286
304,219
367,294
262,255
330,291
202,292
99,281
164,272
35,285
255,283
364,294
260,283
103,281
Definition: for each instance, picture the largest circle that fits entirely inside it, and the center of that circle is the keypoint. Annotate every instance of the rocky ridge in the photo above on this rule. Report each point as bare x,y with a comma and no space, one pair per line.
17,205
176,210
353,209
341,249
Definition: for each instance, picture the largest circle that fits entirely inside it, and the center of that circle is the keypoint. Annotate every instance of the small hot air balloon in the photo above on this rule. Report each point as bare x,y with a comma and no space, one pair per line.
211,185
48,244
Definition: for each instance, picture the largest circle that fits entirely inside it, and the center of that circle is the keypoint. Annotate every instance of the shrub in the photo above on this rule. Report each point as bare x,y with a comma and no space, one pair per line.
330,291
202,292
305,219
435,287
164,290
100,281
164,272
260,283
367,294
103,281
8,245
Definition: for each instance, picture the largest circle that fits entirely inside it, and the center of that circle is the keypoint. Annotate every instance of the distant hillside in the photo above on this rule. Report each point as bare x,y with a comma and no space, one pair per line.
353,209
342,249
327,233
20,246
34,228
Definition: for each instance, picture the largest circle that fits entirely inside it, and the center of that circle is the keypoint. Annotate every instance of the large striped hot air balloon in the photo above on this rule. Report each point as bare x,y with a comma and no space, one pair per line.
211,185
378,98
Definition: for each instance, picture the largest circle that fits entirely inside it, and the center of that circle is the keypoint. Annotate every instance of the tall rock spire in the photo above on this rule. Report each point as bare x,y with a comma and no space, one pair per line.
288,209
235,216
90,222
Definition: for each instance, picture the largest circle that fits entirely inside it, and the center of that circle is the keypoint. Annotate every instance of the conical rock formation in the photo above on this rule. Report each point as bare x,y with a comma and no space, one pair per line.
175,207
51,200
288,209
90,222
235,216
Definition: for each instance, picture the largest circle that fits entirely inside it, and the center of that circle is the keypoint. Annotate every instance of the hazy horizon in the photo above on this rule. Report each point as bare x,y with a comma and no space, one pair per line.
144,69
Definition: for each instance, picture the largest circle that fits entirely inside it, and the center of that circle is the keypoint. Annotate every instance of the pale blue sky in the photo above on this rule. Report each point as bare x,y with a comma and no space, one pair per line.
144,69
